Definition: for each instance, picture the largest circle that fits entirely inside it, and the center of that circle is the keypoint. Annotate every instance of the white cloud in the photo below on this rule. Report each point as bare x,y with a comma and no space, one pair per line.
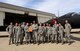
52,6
47,5
18,2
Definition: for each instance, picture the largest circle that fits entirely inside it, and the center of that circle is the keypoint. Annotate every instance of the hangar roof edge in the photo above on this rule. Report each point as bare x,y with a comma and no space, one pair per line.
10,6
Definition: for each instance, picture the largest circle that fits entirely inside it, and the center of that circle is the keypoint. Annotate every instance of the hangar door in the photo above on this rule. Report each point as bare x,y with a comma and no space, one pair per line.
19,18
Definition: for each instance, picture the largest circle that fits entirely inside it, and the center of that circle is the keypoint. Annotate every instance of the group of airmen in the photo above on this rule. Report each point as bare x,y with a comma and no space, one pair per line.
42,33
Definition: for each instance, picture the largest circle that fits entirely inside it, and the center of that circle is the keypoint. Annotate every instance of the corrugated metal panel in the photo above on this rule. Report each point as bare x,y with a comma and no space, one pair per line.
33,14
12,11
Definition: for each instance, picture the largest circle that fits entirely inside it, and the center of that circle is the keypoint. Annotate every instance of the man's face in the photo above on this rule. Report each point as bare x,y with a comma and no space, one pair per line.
16,24
59,24
47,24
23,23
34,22
66,21
55,22
30,23
27,23
10,23
44,24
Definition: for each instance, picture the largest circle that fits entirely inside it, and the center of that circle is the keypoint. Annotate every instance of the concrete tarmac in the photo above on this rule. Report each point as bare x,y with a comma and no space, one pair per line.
75,46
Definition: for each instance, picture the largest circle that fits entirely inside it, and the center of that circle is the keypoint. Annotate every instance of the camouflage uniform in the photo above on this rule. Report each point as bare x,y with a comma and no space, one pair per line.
67,31
48,31
35,28
44,33
27,36
23,32
40,32
61,30
11,36
15,30
56,32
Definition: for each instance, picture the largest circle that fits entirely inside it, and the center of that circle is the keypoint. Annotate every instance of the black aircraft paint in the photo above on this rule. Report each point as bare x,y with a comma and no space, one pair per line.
73,18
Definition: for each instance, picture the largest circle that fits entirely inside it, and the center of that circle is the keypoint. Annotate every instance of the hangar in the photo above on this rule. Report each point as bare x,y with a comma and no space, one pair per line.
12,13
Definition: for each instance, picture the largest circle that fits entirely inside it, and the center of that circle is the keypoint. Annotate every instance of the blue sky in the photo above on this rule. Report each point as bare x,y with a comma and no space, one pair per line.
51,6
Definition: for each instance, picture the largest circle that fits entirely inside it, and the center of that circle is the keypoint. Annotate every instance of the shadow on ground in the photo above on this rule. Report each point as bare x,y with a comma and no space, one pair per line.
75,38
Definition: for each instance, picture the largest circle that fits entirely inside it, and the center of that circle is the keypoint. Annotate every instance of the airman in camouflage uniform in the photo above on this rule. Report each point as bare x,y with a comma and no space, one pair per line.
48,31
61,31
56,32
35,28
15,30
11,35
40,33
67,30
26,32
44,33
